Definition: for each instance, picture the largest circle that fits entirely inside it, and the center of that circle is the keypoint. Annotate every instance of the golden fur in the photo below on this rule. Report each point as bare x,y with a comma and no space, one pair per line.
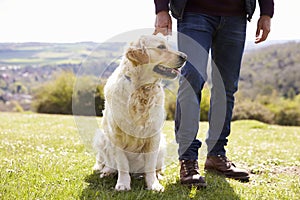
131,140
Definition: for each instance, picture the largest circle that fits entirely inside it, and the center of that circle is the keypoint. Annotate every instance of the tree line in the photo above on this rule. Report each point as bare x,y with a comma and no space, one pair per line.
57,97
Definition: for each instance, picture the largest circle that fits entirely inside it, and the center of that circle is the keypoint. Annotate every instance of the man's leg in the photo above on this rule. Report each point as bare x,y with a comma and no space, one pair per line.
194,38
227,51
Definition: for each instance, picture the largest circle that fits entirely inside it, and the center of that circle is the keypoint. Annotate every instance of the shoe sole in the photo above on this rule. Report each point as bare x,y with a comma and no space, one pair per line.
241,178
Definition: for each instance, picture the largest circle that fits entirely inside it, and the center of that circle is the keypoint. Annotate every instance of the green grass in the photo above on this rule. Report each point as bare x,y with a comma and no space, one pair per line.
44,157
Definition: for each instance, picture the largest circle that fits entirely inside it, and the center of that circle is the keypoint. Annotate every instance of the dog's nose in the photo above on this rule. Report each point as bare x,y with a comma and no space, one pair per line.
182,57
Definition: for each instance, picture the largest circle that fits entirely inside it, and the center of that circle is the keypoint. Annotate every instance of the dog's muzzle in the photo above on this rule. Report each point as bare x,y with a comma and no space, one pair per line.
166,71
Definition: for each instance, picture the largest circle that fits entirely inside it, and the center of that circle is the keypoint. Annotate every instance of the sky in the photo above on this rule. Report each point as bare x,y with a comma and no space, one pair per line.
100,20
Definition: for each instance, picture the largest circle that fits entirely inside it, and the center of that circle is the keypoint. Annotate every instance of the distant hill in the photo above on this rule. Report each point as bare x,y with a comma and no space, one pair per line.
24,66
251,46
41,54
272,66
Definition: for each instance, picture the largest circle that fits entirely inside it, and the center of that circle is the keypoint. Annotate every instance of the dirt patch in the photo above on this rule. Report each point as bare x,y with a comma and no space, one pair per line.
291,170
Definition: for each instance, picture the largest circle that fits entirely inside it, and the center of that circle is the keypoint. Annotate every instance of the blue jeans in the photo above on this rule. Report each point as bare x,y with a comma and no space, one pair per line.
224,38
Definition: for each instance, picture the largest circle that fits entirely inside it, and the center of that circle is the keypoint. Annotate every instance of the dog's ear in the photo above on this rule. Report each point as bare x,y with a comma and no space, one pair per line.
137,56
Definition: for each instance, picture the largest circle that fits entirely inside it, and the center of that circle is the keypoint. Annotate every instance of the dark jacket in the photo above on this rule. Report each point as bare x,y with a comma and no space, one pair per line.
177,7
250,8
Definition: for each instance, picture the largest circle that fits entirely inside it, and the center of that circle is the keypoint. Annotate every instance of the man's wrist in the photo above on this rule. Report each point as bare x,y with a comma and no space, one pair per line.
265,16
162,12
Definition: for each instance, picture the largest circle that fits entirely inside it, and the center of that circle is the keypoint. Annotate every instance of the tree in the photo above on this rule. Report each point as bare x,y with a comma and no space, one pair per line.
58,97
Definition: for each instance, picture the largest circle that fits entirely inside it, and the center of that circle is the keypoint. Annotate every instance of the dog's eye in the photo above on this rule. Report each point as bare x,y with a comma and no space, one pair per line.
162,46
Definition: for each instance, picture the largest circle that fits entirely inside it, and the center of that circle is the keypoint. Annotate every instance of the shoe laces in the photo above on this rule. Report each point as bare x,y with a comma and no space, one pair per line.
226,160
190,167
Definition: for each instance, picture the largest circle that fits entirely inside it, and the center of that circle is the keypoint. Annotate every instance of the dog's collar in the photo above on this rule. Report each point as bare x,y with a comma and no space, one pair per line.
127,78
144,84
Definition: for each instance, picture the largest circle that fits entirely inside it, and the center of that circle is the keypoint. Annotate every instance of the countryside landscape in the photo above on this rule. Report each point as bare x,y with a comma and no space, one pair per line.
268,90
44,156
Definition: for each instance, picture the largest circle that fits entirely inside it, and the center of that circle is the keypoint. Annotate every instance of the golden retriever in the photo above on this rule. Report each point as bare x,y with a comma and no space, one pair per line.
132,139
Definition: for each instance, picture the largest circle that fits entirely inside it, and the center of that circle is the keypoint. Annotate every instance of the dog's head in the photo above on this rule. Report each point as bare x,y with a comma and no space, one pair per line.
154,53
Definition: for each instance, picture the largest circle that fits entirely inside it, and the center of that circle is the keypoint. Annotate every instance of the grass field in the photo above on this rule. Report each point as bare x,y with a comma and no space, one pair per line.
45,157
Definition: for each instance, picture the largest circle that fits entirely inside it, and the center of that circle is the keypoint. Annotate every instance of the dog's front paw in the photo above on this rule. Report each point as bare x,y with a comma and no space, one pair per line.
122,187
156,186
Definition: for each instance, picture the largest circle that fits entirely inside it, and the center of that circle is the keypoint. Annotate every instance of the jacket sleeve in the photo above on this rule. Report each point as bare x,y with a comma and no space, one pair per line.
266,7
161,5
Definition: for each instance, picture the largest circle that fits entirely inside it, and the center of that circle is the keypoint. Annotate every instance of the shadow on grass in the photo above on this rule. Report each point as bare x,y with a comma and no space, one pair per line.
103,189
218,188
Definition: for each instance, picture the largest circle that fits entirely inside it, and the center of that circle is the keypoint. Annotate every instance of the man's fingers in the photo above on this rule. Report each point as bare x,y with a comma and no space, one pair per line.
164,31
261,38
155,32
170,27
163,23
263,29
160,30
258,35
262,35
258,31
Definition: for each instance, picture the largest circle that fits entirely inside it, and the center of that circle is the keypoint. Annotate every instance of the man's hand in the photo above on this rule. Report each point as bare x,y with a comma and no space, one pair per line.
163,23
263,28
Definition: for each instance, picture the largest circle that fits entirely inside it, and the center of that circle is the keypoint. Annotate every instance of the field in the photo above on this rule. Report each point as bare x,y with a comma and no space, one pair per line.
48,157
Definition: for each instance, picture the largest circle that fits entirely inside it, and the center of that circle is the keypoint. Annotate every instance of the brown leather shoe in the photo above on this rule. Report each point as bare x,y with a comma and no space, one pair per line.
189,174
222,165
